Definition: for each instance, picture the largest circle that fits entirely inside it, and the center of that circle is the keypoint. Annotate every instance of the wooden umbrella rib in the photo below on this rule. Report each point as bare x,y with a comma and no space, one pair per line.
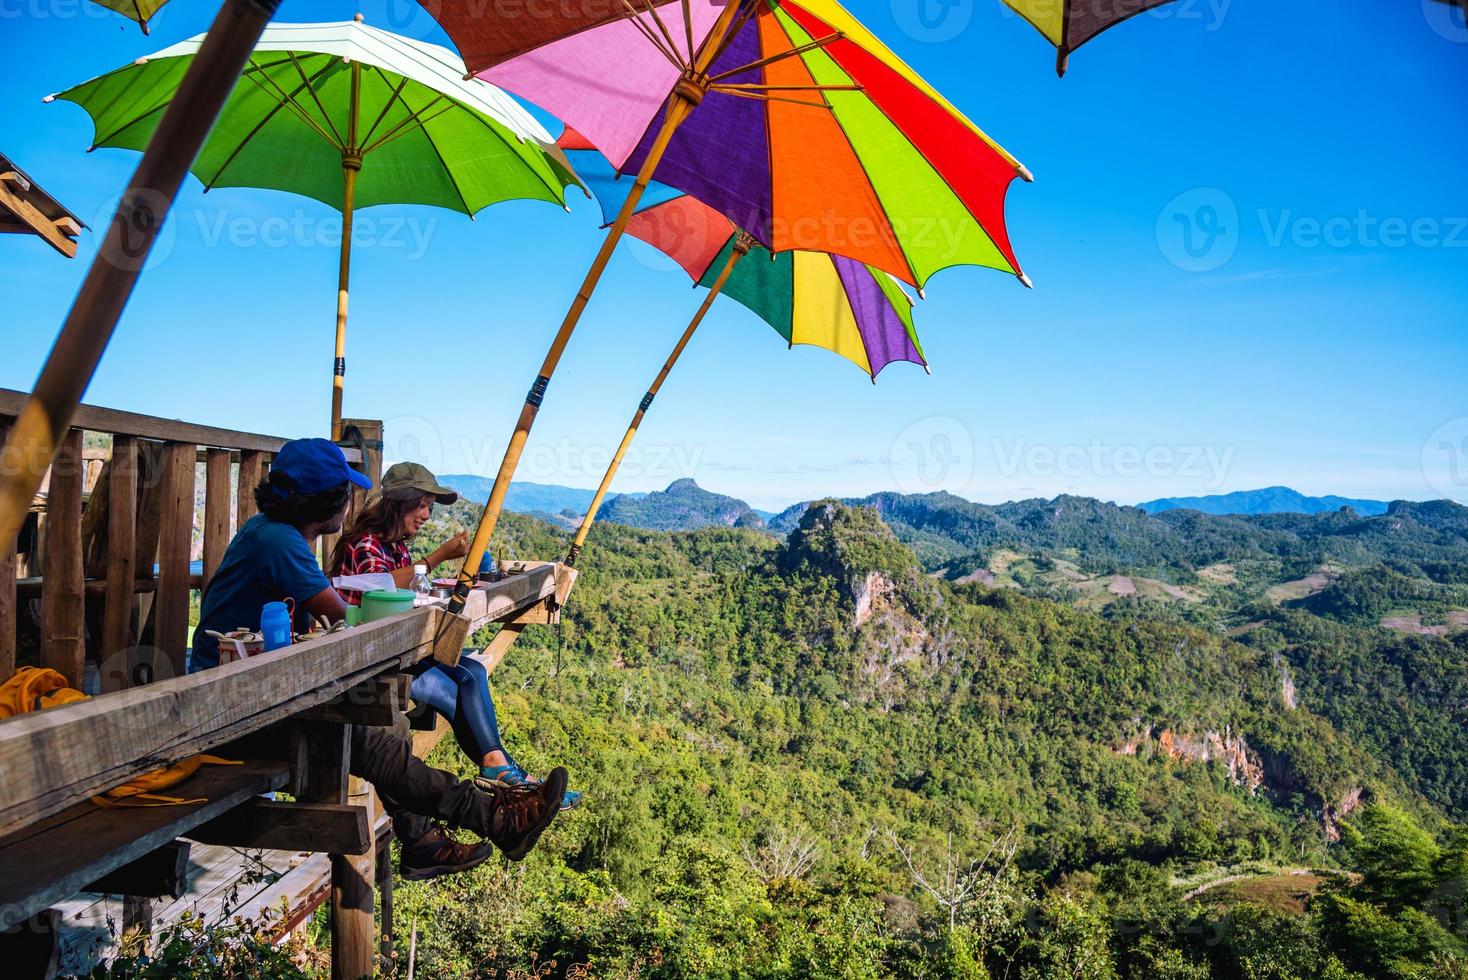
636,19
761,87
311,87
749,12
762,97
688,26
404,125
395,96
259,126
284,98
662,27
781,56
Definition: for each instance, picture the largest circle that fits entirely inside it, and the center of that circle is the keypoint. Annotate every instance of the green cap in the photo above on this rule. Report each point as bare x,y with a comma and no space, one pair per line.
410,479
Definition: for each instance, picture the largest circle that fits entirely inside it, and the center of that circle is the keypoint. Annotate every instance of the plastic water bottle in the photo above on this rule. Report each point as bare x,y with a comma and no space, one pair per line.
421,585
275,625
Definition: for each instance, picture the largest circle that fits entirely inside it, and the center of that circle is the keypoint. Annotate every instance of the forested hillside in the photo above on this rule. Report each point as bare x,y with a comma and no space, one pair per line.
810,757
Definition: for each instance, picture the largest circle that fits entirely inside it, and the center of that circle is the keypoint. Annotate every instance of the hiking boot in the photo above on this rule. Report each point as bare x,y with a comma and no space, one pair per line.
523,812
513,775
436,853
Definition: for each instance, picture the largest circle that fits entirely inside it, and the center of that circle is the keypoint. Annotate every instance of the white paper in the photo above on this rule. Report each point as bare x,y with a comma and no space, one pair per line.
374,582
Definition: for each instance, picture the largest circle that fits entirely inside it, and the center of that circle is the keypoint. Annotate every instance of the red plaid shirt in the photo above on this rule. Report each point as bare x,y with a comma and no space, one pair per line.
369,554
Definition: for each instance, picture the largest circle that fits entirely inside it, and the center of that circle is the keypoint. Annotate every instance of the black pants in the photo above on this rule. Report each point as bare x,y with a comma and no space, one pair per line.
413,792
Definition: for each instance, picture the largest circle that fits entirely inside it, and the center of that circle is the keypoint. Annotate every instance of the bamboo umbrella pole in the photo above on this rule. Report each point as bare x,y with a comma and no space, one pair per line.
741,248
144,205
684,99
351,165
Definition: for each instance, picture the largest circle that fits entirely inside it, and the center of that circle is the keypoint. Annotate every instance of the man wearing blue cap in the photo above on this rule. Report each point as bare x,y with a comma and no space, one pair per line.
273,558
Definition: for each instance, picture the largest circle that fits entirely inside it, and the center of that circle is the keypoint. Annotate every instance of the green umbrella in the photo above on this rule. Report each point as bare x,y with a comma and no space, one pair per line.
351,116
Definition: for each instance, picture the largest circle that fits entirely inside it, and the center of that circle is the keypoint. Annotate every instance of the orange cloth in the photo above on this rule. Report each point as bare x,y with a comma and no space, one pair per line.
38,688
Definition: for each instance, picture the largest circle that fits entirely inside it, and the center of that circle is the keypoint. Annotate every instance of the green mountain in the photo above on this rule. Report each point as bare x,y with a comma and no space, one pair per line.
1270,500
683,506
810,757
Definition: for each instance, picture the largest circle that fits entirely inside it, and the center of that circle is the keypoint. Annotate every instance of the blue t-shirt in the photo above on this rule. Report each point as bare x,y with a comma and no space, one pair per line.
266,562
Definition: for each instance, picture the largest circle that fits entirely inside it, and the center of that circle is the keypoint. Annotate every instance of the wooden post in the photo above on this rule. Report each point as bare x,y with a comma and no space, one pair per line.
129,238
216,510
370,433
252,472
742,245
7,591
326,781
175,542
351,165
63,593
686,96
122,520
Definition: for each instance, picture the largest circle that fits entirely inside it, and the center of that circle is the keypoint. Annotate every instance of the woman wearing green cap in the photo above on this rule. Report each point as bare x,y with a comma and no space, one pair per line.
376,542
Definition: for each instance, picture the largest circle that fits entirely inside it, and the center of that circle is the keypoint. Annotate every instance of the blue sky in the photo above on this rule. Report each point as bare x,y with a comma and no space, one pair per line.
1310,332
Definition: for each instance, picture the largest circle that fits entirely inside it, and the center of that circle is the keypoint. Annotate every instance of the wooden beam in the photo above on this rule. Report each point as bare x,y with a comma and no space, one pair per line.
35,220
150,508
98,419
271,825
63,610
54,858
8,605
122,521
327,752
216,511
61,756
175,543
376,702
95,518
252,472
161,873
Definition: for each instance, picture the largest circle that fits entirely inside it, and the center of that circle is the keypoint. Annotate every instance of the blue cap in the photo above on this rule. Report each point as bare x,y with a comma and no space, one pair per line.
311,466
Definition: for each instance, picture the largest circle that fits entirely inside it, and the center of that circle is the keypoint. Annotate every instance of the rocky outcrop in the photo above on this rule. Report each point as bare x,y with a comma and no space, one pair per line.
1227,748
1332,814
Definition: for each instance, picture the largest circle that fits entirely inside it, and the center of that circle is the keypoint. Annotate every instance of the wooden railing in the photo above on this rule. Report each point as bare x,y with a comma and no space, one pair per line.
108,516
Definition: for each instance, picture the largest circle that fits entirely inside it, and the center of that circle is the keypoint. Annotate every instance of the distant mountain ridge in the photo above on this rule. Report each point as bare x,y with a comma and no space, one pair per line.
525,497
1269,500
684,506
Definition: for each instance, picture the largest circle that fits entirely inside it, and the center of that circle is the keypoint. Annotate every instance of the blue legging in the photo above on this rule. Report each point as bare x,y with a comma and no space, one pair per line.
461,695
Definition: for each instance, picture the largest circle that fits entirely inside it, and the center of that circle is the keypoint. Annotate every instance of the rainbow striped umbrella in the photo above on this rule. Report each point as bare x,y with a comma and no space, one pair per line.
812,298
788,116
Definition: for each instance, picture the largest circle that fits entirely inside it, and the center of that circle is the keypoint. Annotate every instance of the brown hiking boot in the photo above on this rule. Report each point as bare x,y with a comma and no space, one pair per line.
436,853
523,812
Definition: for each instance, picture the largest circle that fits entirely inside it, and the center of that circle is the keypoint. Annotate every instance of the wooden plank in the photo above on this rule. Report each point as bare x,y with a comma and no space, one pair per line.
63,610
36,221
327,751
271,825
122,520
8,607
150,507
501,600
54,758
252,472
58,856
95,520
164,430
162,872
216,510
175,542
